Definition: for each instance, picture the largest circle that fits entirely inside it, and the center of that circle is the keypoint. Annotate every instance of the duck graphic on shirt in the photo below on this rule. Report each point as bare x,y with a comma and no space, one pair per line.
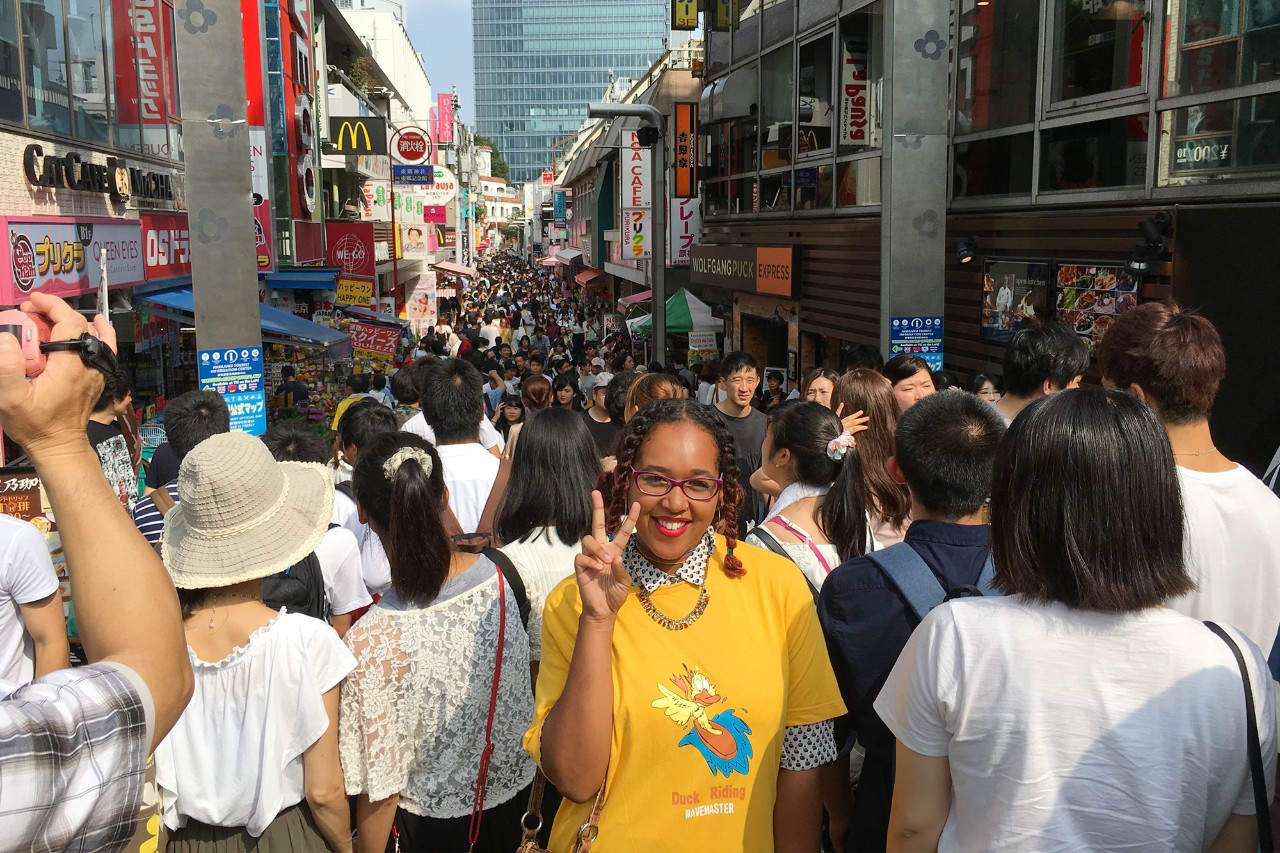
721,739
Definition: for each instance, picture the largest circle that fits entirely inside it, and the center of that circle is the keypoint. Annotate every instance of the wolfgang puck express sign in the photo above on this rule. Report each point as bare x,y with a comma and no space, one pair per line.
763,269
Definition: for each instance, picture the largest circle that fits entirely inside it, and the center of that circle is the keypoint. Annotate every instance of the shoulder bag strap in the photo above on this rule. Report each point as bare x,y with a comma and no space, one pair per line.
805,538
482,780
771,542
162,501
512,574
1256,768
908,571
589,830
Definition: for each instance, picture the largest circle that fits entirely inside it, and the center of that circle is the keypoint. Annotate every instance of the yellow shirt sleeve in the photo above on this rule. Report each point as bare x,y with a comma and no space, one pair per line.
812,693
559,633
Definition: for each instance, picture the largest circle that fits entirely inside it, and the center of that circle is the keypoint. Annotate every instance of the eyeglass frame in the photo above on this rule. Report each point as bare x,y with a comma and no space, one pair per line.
671,484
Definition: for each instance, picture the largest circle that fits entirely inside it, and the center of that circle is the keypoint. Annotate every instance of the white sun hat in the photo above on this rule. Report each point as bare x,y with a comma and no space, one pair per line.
242,515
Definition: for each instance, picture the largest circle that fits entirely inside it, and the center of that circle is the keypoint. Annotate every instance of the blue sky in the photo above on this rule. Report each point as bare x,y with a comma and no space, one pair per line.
441,31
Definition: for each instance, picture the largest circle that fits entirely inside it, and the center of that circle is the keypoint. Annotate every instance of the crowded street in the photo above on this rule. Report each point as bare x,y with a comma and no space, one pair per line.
492,426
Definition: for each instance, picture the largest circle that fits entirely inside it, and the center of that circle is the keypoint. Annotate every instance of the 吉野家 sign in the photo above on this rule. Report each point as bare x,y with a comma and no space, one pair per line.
236,374
358,134
686,151
920,336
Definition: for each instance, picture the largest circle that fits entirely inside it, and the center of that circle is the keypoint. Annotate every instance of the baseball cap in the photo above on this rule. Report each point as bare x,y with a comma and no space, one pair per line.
597,362
602,380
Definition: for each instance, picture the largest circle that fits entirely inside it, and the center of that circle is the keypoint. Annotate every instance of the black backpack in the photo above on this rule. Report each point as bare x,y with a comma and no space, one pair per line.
300,588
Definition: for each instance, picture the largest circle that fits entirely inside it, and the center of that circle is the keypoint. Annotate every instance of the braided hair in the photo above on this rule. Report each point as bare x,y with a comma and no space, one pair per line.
636,433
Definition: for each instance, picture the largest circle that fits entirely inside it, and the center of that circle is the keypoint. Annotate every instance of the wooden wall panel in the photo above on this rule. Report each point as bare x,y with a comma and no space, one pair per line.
837,263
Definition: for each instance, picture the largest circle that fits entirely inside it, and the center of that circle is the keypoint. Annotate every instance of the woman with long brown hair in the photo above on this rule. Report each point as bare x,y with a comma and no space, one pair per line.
889,502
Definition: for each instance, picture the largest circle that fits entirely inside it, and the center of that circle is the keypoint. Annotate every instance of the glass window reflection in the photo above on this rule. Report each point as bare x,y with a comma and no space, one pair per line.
88,69
1098,47
10,63
48,101
998,52
777,105
817,111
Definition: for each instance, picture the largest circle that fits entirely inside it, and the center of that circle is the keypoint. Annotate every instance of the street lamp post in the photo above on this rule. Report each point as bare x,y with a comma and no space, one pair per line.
655,119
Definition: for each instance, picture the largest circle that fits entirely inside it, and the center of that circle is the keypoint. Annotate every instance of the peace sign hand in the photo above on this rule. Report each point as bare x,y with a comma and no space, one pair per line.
603,582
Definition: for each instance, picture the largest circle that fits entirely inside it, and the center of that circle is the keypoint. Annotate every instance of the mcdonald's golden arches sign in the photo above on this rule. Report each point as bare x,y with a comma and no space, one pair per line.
358,134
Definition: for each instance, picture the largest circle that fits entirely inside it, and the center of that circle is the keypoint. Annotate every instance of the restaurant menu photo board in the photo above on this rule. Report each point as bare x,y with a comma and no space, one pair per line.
1015,295
1091,296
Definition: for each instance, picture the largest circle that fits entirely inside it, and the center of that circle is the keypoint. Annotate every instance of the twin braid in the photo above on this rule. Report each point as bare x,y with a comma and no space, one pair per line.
634,436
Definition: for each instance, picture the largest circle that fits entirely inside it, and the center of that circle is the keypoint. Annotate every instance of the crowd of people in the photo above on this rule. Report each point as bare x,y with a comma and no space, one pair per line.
528,592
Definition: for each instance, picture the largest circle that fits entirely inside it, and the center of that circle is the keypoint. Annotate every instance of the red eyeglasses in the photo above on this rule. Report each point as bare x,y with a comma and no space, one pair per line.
656,485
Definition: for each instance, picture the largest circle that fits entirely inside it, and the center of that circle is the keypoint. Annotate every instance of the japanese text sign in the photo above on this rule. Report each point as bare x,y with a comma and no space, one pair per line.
368,337
236,374
686,151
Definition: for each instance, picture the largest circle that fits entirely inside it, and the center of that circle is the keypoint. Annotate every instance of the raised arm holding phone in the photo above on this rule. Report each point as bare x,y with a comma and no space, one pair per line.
101,720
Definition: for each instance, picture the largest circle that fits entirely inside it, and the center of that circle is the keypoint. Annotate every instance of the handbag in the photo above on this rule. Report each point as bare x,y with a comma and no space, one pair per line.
1260,800
529,834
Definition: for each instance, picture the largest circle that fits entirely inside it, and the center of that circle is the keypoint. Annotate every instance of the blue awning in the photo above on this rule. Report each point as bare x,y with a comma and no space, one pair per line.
277,326
369,315
308,278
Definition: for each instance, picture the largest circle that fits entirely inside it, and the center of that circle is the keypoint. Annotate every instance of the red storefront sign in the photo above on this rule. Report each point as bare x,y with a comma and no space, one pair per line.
144,77
350,248
63,256
370,338
308,242
166,245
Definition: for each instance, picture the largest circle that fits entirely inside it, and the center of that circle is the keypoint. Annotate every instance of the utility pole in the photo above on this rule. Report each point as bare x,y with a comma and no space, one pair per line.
654,119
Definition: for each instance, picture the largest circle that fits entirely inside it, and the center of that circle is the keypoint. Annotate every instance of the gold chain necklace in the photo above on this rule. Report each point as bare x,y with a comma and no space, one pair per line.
666,621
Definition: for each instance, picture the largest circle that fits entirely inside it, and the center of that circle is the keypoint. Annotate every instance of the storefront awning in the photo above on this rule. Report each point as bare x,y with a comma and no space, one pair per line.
635,298
455,269
588,275
372,316
548,262
278,326
319,278
568,256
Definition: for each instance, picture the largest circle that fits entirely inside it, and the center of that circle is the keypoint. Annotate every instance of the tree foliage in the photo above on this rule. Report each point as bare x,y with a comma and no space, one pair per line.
500,167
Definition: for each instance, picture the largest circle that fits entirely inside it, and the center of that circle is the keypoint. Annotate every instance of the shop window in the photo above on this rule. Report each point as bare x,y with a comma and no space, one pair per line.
715,198
743,196
858,182
45,58
1110,153
1098,47
861,80
775,192
813,187
997,54
10,63
729,148
999,166
779,21
88,69
814,12
717,50
777,106
816,109
1221,140
1216,44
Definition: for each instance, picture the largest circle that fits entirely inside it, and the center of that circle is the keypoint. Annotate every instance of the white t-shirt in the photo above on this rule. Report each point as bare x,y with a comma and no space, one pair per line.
339,556
234,758
374,566
542,561
489,435
469,472
26,576
1079,730
1233,552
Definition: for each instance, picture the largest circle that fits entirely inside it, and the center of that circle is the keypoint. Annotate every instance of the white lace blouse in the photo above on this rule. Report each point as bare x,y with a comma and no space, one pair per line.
414,710
234,758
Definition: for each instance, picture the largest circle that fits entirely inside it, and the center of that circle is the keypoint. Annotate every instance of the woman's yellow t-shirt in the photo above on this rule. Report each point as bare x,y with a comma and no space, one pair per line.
698,714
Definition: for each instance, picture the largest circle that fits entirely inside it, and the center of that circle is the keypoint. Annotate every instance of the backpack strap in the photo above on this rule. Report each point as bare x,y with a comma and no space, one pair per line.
347,489
770,541
509,571
162,501
912,577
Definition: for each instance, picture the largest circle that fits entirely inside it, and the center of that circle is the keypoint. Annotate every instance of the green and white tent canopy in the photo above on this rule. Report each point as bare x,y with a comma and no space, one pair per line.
685,312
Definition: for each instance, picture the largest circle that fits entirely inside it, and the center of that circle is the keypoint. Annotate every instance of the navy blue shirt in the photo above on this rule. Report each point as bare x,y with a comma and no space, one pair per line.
867,623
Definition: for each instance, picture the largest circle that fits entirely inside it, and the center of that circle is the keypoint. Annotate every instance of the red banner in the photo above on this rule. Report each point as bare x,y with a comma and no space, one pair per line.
166,245
350,248
370,338
444,118
141,75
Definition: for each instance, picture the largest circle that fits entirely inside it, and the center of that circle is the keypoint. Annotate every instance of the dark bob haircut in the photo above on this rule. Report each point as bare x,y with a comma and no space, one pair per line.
1086,508
902,367
556,466
1045,352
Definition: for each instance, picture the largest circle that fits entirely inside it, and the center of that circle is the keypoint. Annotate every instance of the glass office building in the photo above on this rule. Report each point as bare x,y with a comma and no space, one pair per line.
538,63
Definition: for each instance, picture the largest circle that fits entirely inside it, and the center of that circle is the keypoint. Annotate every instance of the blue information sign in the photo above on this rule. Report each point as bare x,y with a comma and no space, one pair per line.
423,174
920,336
559,214
236,374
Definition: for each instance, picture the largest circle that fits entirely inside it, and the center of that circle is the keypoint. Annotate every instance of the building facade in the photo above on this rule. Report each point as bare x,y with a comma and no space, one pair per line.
536,67
876,143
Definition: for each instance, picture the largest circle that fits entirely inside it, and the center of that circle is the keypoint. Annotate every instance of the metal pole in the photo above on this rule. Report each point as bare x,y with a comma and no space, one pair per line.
659,260
395,258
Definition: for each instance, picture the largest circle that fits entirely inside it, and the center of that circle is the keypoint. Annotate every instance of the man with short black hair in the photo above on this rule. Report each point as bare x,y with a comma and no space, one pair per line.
289,384
357,386
945,449
108,440
188,420
739,379
453,408
1040,360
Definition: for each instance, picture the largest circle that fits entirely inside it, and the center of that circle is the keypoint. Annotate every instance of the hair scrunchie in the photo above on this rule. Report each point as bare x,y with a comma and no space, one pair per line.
840,445
393,463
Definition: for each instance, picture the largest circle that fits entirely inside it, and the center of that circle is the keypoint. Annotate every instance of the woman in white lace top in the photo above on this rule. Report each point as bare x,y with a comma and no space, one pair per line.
820,518
546,509
421,705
